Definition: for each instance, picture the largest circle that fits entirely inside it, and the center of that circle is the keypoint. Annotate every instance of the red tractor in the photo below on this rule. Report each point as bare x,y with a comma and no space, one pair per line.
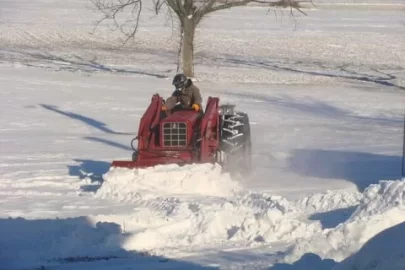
184,136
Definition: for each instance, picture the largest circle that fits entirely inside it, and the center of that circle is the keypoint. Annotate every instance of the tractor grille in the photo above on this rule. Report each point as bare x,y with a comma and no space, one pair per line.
174,134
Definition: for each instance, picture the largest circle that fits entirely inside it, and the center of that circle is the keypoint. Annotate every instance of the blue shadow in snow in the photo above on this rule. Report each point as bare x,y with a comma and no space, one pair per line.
360,168
84,119
76,63
109,143
91,169
317,108
308,261
379,77
69,243
333,218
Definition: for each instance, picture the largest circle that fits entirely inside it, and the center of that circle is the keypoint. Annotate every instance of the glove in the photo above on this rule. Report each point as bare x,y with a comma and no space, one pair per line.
195,107
164,108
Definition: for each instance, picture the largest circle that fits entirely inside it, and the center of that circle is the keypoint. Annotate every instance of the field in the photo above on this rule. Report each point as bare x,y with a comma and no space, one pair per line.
325,97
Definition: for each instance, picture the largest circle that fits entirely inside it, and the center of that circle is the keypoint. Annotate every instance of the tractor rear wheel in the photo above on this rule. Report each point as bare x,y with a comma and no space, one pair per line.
236,142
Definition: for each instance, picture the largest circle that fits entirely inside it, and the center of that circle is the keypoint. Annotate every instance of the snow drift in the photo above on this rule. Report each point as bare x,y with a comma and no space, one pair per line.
383,252
132,185
382,206
166,217
166,223
250,218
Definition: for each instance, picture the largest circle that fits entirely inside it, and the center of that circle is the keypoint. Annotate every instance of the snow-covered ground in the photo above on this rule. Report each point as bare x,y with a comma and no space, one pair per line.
325,96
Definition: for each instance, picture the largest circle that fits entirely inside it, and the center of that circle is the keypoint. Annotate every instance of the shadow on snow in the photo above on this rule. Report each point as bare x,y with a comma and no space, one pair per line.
76,63
109,143
90,169
334,217
73,243
316,68
317,108
385,250
84,119
308,261
92,123
360,168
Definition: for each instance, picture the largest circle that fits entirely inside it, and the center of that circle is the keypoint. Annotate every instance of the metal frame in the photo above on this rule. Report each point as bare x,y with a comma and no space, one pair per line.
150,153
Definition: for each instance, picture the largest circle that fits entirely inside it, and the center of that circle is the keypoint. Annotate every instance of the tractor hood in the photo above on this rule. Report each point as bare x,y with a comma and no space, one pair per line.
177,129
187,116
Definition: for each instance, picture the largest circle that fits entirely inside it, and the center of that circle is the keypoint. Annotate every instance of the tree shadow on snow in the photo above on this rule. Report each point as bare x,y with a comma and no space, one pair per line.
316,108
73,243
308,261
109,143
77,63
317,68
84,119
89,169
360,168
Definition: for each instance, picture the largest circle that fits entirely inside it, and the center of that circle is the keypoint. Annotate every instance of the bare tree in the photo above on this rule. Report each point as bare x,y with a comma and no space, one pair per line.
188,12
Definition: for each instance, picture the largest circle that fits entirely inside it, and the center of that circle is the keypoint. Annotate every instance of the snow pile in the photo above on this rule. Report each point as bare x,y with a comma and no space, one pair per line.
249,220
329,200
133,185
162,220
385,251
382,206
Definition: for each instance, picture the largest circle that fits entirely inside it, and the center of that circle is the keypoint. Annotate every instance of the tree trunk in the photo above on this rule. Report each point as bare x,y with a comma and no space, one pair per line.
187,46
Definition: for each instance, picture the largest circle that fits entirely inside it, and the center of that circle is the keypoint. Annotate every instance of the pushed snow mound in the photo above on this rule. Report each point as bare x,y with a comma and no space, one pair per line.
163,223
382,206
381,199
250,219
382,252
329,200
133,185
163,220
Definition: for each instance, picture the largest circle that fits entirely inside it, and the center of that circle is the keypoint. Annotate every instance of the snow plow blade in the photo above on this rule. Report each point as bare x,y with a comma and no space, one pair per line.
146,160
126,164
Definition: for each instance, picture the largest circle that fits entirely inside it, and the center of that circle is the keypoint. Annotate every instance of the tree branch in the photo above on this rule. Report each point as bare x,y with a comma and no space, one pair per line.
177,7
211,7
158,4
174,6
110,10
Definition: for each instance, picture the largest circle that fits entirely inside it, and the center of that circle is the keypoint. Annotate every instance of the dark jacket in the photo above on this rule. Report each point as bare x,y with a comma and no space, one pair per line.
187,97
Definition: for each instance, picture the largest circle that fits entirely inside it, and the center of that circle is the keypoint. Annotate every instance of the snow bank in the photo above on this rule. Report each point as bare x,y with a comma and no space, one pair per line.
382,252
163,220
382,206
133,185
249,219
329,200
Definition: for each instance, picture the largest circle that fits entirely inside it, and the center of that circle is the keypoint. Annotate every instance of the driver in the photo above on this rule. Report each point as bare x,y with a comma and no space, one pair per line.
186,93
